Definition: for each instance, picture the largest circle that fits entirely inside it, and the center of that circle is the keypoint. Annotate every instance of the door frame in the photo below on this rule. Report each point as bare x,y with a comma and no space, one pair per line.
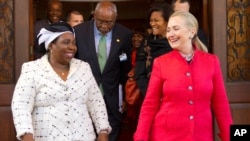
21,54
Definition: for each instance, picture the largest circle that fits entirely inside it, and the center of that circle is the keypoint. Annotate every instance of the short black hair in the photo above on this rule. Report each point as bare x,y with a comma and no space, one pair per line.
165,8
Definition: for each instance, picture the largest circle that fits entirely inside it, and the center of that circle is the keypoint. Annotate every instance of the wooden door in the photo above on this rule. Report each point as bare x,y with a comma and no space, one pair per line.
230,41
216,24
13,52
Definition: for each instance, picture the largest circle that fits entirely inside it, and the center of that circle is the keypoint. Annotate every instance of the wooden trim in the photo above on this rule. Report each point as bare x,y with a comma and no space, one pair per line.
21,14
31,29
218,41
205,17
238,92
6,94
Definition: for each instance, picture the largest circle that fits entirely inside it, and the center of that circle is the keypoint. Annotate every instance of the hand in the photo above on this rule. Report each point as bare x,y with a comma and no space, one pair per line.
28,137
103,137
124,106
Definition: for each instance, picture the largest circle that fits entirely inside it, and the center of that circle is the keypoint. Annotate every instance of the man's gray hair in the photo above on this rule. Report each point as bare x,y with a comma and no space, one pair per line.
112,6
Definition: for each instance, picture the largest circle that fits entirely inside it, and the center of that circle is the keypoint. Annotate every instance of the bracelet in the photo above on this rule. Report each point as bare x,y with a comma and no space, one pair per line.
26,134
105,131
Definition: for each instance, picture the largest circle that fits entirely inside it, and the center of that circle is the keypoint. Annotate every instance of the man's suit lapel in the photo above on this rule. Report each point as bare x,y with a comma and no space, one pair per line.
114,48
91,46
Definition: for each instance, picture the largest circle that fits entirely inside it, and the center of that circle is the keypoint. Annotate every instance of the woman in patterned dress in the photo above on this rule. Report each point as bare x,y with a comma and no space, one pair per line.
56,97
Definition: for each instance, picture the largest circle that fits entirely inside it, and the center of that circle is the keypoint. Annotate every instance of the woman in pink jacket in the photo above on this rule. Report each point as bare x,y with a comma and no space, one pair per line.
186,89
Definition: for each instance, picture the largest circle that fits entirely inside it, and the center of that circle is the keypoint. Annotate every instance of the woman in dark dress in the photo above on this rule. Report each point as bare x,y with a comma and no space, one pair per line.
155,45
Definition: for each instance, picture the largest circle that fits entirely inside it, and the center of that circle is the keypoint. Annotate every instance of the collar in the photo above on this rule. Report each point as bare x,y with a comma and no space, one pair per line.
73,64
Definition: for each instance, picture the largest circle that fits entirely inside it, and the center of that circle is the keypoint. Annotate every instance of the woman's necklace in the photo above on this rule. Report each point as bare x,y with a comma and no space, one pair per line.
62,73
60,70
188,57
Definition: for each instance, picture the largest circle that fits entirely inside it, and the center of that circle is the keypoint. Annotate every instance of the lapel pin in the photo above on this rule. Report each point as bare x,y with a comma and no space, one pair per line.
118,40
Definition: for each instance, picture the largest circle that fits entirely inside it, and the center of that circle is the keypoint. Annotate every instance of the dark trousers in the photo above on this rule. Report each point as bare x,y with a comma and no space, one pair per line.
116,127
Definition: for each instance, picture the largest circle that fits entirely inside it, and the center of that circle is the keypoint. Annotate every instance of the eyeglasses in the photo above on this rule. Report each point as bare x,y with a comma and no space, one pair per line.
102,22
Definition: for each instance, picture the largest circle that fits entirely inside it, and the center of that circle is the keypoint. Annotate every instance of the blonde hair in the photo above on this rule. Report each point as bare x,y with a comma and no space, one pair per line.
191,23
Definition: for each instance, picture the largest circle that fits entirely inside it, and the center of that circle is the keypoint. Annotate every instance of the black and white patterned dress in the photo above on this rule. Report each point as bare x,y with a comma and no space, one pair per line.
53,109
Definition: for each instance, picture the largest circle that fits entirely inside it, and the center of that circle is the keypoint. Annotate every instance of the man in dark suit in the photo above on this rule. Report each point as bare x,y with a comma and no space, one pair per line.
54,14
117,53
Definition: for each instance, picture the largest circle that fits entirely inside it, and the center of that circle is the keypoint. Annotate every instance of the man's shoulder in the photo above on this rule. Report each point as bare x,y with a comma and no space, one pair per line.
42,22
202,36
121,26
85,24
122,29
84,29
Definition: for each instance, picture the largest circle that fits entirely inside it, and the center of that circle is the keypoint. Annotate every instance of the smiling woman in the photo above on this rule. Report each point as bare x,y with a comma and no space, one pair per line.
156,43
51,89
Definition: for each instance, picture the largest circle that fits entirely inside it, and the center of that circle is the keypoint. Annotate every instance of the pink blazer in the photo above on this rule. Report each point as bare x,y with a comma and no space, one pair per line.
182,98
